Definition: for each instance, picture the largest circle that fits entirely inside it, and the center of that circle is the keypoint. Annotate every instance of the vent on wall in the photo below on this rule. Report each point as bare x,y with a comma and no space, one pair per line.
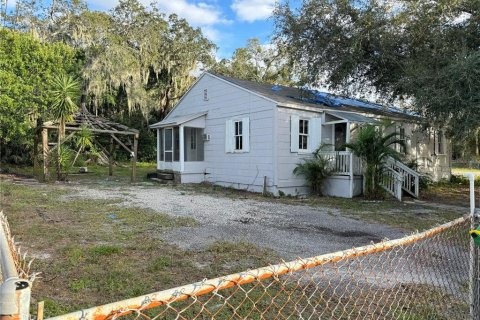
205,95
206,137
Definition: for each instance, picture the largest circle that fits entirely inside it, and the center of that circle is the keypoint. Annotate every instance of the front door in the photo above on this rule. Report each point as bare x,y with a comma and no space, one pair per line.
340,136
168,148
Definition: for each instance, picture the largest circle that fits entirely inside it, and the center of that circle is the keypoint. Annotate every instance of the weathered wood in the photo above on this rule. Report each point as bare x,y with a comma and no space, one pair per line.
35,151
110,158
93,130
45,153
122,144
70,136
134,158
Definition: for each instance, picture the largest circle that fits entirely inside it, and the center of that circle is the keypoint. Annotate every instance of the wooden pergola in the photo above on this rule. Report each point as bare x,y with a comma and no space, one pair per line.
97,125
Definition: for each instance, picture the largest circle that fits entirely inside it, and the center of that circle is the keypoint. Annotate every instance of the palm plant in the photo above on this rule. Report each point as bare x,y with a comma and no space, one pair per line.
65,94
315,170
374,149
84,141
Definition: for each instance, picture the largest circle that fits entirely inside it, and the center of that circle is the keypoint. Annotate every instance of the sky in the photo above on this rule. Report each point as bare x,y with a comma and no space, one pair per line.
228,23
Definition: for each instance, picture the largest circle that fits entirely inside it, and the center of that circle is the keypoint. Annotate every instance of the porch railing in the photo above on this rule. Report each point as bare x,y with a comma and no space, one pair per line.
343,162
410,178
391,181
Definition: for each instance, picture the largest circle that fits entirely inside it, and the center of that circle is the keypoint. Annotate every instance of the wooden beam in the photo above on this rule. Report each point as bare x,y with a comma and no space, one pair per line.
134,158
110,158
45,153
35,151
93,130
121,143
70,136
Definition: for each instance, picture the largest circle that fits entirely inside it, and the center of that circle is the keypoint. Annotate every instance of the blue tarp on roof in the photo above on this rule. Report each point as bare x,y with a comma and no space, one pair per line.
332,100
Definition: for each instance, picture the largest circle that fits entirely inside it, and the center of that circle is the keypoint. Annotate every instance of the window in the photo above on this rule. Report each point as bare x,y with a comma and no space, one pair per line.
193,139
168,145
205,95
303,135
238,135
160,144
439,145
401,136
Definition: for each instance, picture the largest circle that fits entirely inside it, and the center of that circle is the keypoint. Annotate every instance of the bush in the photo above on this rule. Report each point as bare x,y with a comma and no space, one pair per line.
315,170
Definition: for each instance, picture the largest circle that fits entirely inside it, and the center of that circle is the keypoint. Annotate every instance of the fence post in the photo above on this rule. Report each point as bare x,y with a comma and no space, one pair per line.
474,263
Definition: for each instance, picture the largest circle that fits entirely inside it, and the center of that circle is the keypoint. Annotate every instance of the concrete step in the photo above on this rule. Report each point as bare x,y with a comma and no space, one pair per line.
165,176
161,181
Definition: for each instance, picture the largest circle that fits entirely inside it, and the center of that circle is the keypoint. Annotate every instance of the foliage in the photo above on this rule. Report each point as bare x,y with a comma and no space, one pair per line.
315,170
257,62
374,149
27,68
65,93
424,53
63,161
84,142
135,57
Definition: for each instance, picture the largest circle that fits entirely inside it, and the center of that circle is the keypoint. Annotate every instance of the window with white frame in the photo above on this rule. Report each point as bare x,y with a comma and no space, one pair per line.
401,136
237,137
439,143
303,134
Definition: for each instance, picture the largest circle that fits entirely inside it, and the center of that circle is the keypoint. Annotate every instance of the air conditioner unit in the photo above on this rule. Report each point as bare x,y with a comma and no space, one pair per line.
206,137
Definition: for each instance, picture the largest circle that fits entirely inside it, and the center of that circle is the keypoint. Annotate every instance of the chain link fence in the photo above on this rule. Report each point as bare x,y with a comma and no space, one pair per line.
422,276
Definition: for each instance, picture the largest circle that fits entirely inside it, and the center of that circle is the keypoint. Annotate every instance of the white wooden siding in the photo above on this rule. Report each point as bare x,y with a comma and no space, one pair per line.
227,102
286,160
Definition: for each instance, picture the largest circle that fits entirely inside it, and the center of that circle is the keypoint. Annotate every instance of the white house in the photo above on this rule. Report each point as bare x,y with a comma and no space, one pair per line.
249,135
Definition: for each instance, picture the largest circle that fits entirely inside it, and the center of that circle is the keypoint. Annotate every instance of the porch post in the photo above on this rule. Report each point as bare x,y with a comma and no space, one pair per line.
351,172
347,138
182,150
158,147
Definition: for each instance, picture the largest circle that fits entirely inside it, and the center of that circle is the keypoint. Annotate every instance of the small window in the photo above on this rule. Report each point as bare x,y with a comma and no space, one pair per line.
205,95
401,136
193,139
439,142
238,135
303,135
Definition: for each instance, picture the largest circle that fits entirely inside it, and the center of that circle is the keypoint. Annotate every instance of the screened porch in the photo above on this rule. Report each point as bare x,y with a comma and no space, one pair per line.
180,143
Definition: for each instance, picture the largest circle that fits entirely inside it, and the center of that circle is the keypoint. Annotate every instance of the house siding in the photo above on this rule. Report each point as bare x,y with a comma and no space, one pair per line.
287,182
242,170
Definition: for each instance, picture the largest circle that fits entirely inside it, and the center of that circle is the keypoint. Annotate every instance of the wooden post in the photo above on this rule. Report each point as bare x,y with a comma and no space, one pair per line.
134,158
35,151
110,158
45,153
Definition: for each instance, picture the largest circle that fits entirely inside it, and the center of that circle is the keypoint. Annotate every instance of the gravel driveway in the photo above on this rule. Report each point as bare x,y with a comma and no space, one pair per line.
292,231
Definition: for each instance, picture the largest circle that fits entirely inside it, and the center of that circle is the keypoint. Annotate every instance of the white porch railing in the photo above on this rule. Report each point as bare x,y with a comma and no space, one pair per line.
343,162
410,178
391,181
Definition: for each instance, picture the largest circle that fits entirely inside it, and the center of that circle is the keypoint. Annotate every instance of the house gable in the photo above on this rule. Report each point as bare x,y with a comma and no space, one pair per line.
207,91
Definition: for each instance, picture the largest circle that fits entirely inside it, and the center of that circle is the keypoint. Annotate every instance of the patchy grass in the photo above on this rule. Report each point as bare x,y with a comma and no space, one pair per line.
96,174
454,192
91,252
408,216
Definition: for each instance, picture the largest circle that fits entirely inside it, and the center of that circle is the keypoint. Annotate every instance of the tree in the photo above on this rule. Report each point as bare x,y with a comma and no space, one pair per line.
374,149
65,93
27,67
256,62
422,52
136,59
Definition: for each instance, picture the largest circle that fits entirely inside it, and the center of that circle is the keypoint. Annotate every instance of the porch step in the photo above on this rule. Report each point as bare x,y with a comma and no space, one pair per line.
162,181
165,176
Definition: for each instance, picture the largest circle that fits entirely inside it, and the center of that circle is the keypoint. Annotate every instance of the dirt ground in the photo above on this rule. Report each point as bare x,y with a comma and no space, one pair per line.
290,230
